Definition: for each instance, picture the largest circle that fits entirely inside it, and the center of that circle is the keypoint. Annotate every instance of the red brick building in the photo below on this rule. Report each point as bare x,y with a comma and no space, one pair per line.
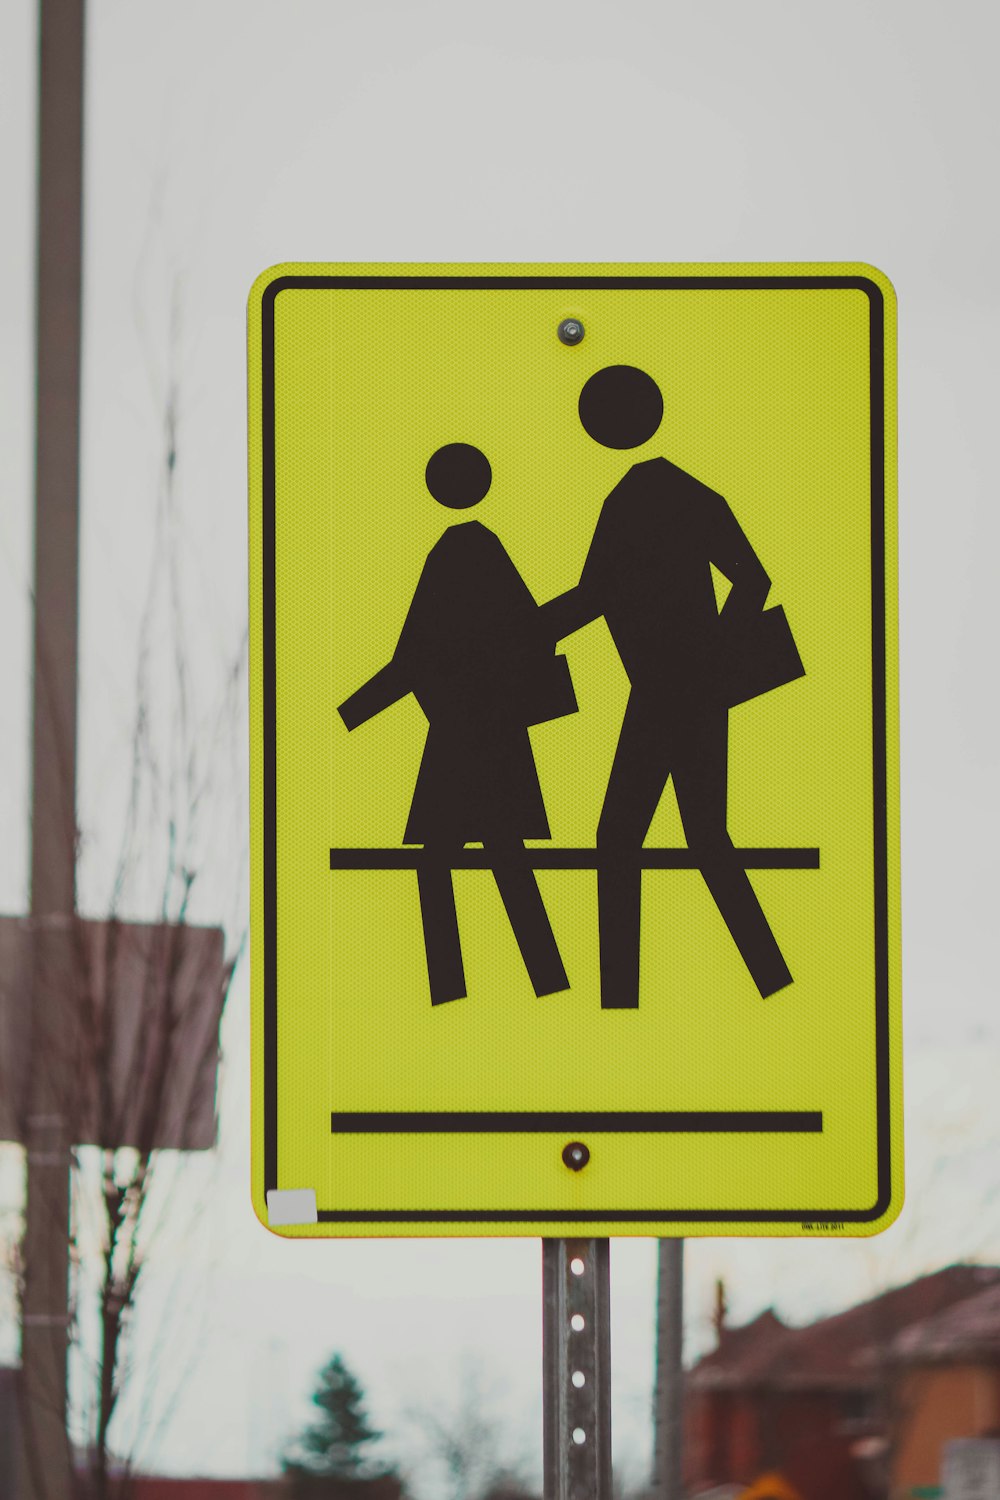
947,1385
818,1404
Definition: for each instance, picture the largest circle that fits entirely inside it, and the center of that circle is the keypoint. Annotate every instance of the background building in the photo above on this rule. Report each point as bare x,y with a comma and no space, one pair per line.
853,1406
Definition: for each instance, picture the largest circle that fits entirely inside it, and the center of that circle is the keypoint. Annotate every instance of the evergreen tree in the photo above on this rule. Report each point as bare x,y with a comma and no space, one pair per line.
334,1447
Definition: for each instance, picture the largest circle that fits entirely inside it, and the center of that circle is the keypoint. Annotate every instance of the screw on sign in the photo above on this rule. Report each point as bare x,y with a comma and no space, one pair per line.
571,331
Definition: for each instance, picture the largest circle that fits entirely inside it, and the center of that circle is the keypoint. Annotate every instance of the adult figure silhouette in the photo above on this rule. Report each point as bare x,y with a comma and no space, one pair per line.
648,573
474,652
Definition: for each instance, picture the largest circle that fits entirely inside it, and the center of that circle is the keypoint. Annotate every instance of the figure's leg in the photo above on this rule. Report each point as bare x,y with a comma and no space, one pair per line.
700,782
442,944
527,915
636,783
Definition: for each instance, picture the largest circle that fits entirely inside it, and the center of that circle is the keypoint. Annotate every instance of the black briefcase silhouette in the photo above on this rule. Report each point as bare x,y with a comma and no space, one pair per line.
758,656
549,693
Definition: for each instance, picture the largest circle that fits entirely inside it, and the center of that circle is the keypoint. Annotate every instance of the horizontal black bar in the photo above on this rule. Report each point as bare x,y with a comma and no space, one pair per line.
568,859
569,283
808,1218
699,1121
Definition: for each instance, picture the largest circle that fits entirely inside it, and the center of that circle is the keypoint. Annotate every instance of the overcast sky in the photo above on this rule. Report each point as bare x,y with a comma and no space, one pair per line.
224,137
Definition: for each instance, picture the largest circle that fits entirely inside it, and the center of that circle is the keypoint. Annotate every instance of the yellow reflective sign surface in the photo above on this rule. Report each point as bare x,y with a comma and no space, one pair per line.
575,899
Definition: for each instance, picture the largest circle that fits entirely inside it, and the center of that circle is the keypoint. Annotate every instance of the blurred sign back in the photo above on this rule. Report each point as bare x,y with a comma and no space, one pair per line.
573,736
971,1469
137,1037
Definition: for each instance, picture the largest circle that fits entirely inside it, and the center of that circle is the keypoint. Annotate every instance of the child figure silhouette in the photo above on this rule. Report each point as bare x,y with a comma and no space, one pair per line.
475,654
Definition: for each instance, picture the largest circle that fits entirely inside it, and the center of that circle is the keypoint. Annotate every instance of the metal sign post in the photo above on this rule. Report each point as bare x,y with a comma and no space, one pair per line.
668,1405
576,1366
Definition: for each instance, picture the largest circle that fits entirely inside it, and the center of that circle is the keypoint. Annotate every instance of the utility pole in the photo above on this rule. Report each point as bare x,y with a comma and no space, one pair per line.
68,1088
47,1469
668,1413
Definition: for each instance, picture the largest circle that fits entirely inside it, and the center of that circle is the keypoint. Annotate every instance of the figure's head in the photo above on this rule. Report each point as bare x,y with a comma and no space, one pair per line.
459,476
621,407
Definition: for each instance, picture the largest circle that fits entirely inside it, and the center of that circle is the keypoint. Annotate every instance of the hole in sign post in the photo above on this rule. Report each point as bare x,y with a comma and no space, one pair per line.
577,1266
578,1322
579,1436
578,1378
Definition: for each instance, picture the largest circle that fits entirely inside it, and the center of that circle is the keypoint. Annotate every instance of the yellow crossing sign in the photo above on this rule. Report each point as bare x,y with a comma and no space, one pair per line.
575,851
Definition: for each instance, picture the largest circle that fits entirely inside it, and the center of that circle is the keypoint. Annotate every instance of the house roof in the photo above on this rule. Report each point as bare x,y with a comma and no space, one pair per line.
148,1488
969,1330
840,1352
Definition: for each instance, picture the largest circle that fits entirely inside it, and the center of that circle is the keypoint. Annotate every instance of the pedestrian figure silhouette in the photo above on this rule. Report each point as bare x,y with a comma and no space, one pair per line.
475,654
648,573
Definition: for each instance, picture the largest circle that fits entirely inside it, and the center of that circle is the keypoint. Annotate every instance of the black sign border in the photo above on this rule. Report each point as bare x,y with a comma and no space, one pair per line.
813,1216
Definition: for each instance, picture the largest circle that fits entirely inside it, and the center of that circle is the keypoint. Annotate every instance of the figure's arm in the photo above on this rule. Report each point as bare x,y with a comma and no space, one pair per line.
578,606
569,612
379,692
733,555
559,617
396,678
